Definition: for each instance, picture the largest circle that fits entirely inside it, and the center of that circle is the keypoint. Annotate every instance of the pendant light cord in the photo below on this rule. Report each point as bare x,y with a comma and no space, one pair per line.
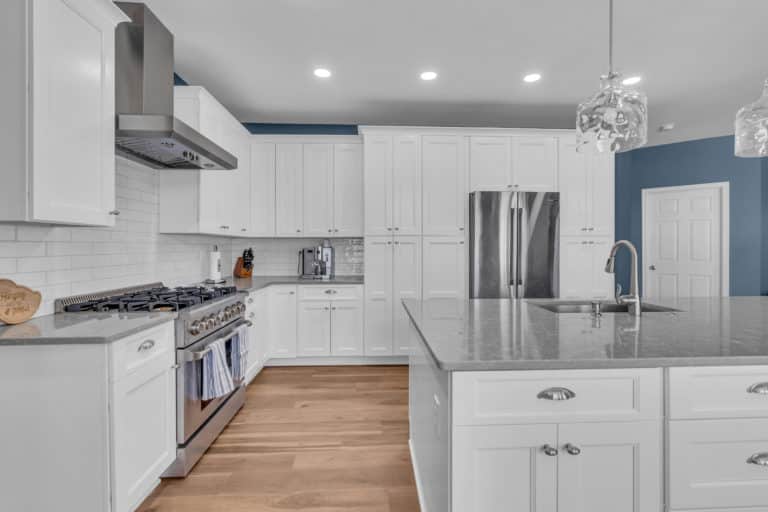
610,37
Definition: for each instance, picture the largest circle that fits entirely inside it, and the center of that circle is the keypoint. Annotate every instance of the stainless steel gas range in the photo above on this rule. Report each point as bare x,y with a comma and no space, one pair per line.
205,315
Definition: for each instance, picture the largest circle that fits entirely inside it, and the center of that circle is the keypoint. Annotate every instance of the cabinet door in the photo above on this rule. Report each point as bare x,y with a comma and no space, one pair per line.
573,171
612,467
217,212
348,190
318,190
601,192
504,468
490,163
282,321
289,189
240,193
576,271
445,268
263,189
144,436
444,193
314,329
73,119
257,312
534,163
378,296
602,282
406,186
406,285
346,328
377,163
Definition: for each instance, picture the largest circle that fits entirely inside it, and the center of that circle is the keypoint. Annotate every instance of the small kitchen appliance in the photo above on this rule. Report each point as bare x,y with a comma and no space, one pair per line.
317,262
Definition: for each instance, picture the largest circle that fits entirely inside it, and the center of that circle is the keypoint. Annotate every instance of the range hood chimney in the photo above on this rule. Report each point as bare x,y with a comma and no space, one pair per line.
146,130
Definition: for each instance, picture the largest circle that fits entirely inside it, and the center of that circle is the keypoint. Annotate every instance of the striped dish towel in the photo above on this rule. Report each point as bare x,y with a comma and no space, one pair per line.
217,379
240,353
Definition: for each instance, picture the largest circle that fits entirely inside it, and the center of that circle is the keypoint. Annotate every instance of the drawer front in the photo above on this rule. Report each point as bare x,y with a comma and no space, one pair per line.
709,464
330,293
512,397
730,392
133,352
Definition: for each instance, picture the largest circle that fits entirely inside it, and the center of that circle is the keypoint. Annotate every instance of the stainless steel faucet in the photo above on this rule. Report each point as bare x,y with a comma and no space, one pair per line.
632,300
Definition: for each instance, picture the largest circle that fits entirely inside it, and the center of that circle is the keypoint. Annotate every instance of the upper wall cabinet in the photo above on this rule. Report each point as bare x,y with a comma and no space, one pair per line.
210,202
58,105
513,163
587,191
262,189
445,184
392,184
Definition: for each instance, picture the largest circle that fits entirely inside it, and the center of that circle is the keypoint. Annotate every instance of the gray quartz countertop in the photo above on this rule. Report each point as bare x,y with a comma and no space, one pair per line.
80,328
252,284
491,334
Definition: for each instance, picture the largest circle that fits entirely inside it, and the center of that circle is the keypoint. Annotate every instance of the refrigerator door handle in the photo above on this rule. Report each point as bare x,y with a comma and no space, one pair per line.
514,237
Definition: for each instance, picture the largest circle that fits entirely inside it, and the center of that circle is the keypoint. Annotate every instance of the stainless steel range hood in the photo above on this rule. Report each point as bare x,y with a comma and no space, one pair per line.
146,130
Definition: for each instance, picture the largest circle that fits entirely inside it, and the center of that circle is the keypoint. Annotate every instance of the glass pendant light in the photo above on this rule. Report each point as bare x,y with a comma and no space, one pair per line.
752,128
616,118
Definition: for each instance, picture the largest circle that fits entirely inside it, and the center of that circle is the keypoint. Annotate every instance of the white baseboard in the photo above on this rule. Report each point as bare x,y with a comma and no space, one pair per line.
416,477
338,361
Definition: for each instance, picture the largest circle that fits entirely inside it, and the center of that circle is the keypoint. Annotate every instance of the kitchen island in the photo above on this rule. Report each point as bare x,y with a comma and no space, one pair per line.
514,406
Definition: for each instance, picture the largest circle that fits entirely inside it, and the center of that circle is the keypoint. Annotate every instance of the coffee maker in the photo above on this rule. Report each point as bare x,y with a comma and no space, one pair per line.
317,262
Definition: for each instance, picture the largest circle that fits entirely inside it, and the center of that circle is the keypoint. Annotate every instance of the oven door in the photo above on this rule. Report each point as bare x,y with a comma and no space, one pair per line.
192,410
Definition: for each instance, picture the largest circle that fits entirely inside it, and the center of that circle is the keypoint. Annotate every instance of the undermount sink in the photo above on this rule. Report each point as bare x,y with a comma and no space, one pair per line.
605,307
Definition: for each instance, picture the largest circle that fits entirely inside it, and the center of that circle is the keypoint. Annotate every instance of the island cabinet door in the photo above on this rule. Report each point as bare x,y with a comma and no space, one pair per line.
610,467
505,468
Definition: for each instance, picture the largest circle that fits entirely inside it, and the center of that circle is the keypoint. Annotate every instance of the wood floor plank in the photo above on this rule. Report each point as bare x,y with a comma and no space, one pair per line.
309,439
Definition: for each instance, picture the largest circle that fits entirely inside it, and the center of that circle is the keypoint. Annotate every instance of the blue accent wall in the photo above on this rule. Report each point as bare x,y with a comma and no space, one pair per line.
700,161
301,129
178,80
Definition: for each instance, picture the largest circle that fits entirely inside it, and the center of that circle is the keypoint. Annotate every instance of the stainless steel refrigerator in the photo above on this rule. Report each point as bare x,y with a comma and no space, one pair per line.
514,248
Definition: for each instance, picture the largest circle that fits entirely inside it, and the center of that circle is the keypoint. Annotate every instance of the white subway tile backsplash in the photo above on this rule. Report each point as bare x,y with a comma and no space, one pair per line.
7,265
43,264
69,248
43,233
7,232
21,249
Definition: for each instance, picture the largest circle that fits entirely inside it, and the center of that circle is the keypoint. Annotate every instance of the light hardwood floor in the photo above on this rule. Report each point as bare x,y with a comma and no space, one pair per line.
315,439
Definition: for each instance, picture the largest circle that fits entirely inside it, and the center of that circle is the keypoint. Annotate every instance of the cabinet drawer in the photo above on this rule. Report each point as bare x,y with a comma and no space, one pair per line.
709,464
730,392
133,352
512,397
332,293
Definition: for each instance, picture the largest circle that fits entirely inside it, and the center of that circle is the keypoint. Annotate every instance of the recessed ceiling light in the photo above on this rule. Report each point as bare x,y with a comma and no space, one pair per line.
632,80
322,73
428,75
532,77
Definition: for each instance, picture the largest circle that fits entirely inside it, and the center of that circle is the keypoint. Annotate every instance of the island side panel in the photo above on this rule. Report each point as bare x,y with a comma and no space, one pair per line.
430,427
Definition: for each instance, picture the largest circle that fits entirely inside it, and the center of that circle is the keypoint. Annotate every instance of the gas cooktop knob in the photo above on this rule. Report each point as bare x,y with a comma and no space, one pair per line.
240,307
194,328
209,322
222,316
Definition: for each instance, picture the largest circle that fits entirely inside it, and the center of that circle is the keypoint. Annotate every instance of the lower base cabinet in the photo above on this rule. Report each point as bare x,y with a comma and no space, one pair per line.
282,321
257,312
330,321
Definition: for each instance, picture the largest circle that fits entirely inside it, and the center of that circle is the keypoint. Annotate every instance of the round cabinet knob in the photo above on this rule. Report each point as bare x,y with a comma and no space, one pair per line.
549,450
194,328
250,300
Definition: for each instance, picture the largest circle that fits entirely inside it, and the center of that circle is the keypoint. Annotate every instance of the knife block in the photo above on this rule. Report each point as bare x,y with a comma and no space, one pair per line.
240,270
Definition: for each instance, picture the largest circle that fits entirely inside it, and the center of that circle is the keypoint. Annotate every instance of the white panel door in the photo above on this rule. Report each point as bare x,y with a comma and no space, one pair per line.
445,268
406,285
377,163
490,163
318,190
314,329
601,191
72,90
602,282
348,190
289,189
346,328
575,211
709,464
257,311
444,185
406,186
610,467
378,295
263,189
504,468
282,321
534,163
682,242
241,181
576,271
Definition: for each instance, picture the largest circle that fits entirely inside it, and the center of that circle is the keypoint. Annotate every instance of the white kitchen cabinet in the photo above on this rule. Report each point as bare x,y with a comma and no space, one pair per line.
490,163
444,268
330,321
257,312
314,329
289,187
582,268
406,284
503,468
262,189
513,163
347,328
379,300
58,104
282,321
587,191
444,188
348,190
392,185
318,188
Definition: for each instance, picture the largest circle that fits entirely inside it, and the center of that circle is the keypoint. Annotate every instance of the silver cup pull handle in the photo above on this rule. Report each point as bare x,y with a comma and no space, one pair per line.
572,449
556,394
759,459
549,450
146,345
760,388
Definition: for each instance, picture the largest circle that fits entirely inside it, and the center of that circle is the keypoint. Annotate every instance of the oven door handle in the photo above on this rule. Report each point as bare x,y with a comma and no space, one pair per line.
198,355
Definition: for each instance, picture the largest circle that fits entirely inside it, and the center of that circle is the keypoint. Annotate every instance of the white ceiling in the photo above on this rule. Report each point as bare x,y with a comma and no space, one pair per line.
700,59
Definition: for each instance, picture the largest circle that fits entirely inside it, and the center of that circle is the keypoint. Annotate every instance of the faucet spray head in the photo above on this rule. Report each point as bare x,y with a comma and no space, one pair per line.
610,265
